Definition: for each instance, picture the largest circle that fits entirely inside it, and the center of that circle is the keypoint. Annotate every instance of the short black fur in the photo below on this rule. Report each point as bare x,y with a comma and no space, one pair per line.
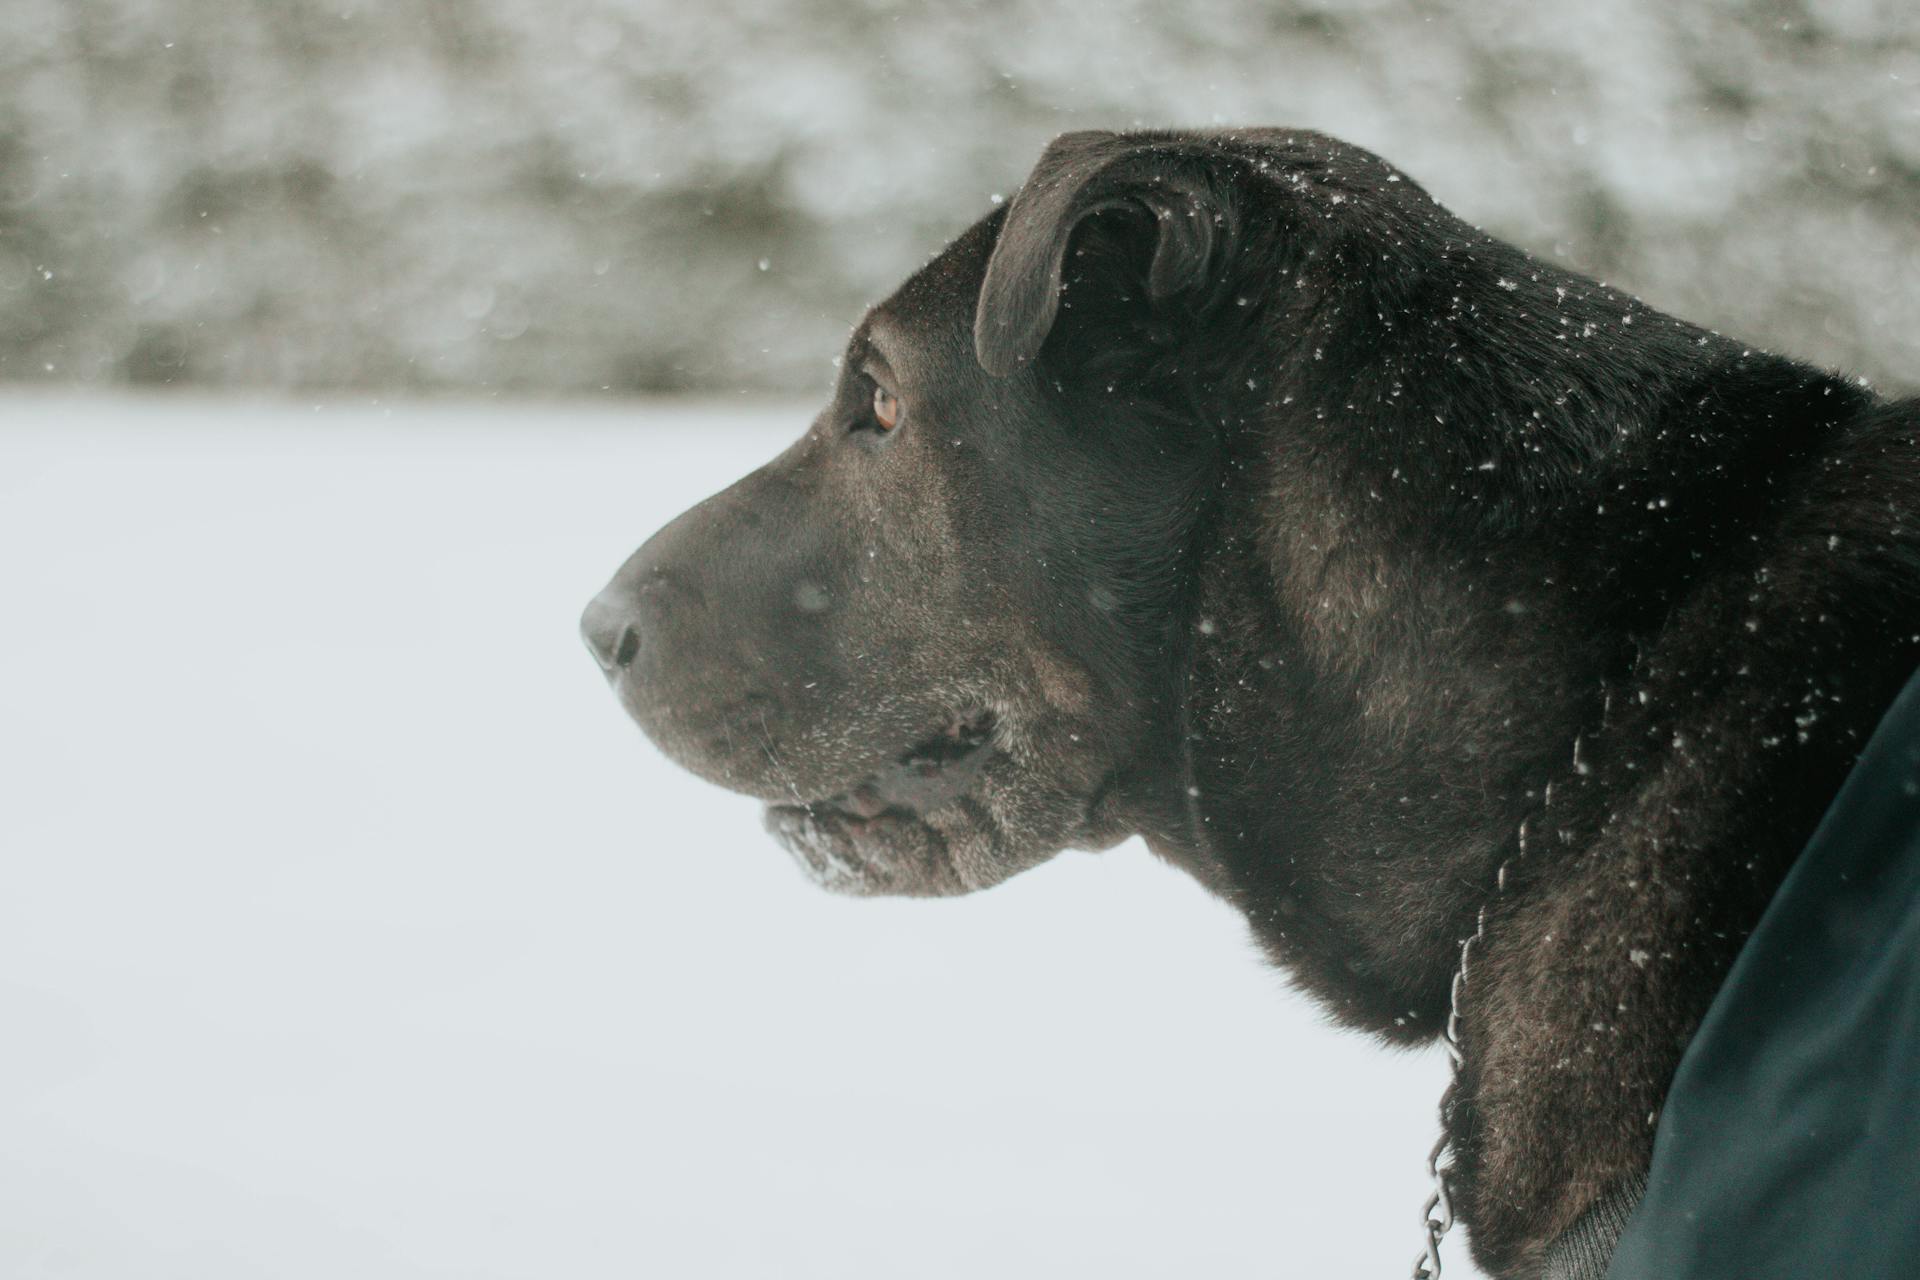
1346,553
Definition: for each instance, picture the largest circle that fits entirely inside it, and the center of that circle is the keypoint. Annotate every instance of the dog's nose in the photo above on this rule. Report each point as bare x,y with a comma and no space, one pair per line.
610,628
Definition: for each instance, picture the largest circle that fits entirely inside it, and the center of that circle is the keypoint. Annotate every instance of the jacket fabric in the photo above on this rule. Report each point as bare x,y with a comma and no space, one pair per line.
1790,1143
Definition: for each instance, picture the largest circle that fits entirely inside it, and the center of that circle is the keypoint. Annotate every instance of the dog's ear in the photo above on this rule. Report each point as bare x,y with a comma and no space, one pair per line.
1081,175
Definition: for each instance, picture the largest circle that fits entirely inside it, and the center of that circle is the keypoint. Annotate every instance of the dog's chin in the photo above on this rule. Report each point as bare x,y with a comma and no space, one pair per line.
890,854
952,815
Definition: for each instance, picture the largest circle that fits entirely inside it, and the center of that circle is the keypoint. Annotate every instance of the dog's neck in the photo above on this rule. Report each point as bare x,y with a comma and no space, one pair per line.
1378,687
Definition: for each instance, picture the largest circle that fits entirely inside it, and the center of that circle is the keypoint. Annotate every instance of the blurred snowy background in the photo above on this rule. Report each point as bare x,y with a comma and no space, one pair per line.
638,195
348,929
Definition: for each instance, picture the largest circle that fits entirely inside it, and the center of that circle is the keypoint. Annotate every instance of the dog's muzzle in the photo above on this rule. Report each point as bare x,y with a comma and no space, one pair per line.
611,628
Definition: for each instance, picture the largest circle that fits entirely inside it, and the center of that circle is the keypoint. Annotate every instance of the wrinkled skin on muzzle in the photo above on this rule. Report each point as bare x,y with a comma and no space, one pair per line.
885,634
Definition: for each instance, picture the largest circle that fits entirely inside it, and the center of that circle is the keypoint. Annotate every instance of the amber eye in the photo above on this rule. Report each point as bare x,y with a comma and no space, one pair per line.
886,409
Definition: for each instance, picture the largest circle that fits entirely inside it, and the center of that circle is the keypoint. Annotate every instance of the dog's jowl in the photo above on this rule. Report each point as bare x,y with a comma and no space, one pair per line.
1224,489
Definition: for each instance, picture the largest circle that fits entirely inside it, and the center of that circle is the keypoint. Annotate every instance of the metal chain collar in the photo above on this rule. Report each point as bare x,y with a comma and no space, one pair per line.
1438,1213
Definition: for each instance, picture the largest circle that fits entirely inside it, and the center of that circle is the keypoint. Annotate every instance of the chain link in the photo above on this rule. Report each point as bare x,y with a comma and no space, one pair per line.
1438,1213
1426,1266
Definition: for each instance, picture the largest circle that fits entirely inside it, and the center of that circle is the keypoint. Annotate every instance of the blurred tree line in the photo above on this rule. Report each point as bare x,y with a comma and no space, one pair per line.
638,195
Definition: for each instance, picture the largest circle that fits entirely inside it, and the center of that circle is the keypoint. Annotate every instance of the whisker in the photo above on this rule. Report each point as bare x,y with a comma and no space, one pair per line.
773,758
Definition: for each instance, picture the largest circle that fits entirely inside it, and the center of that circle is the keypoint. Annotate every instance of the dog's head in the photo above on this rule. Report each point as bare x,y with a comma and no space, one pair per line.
940,634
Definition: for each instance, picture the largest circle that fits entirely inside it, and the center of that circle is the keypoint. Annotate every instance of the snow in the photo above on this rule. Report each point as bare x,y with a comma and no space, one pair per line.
666,196
348,928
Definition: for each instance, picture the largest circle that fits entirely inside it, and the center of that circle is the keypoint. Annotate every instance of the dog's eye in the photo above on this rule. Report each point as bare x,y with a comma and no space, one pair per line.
886,409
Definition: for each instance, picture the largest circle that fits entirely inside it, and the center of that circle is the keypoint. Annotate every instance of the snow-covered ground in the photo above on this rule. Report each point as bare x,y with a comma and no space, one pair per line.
347,929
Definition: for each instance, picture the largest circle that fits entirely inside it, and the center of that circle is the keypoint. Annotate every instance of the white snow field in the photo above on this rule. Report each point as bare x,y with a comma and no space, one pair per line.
348,929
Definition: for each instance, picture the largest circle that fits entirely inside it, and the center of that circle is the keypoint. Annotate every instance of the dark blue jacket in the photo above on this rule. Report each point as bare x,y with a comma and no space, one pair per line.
1790,1143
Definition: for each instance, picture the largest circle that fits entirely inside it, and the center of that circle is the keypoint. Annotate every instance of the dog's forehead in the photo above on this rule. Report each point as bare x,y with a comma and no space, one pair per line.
936,303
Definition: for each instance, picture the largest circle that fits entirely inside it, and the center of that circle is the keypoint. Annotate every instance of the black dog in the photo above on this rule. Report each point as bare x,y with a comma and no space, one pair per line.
1227,490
